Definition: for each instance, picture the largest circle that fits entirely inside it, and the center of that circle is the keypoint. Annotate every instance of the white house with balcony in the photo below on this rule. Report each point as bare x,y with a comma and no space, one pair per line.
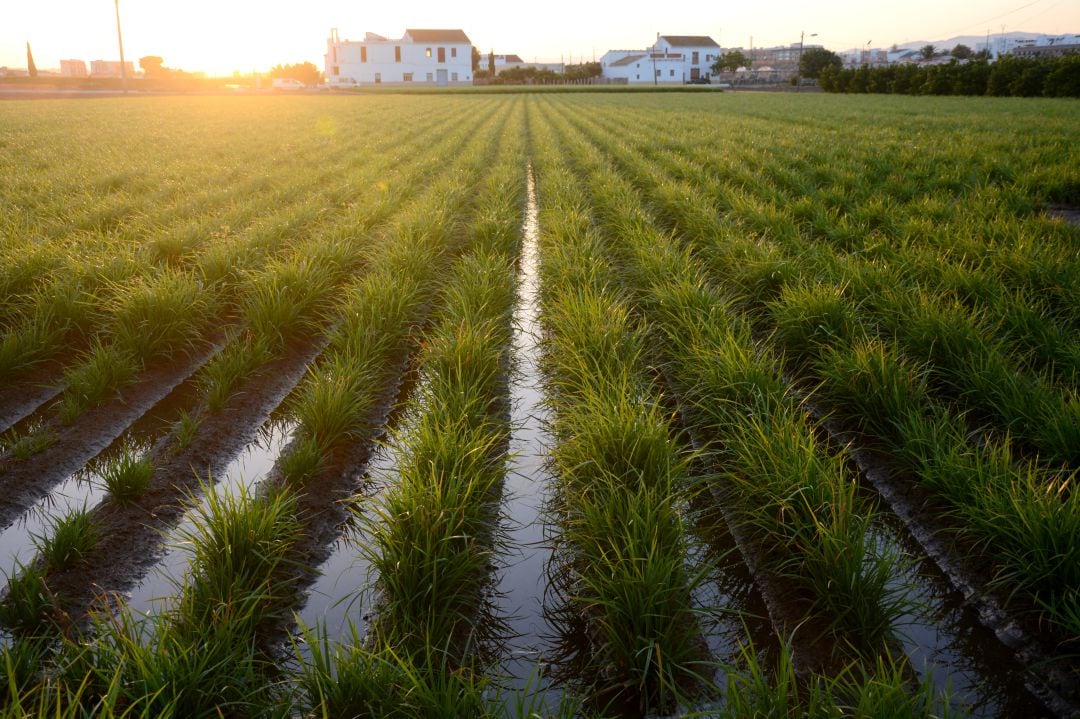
420,57
672,59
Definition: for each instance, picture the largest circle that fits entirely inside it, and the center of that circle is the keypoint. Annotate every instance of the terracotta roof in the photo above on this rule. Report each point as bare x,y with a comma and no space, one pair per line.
438,35
623,62
689,40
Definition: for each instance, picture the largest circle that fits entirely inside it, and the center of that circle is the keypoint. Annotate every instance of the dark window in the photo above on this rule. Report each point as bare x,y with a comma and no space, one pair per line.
397,54
407,77
453,52
694,61
442,54
363,54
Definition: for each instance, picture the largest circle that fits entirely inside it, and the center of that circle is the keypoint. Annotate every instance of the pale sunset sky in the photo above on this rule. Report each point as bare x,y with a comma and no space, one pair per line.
220,36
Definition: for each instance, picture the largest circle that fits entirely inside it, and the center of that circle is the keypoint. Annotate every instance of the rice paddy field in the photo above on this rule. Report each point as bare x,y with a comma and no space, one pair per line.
530,405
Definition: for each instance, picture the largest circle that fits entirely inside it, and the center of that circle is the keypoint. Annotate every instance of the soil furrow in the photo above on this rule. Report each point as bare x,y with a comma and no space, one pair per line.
27,480
132,534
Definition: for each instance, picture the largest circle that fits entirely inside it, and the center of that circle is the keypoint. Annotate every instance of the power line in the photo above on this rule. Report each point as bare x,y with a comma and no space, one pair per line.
996,17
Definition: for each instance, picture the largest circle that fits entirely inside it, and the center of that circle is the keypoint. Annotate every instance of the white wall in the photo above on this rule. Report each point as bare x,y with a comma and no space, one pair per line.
706,56
380,64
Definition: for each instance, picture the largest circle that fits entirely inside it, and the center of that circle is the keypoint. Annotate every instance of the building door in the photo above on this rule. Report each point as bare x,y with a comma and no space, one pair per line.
441,78
695,73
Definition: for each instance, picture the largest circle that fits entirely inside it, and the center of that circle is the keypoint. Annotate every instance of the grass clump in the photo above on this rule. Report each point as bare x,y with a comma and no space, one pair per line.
29,608
103,370
36,438
240,358
69,538
128,475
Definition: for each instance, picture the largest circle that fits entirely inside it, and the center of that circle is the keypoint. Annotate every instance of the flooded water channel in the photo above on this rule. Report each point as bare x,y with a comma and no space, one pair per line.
85,488
522,581
252,465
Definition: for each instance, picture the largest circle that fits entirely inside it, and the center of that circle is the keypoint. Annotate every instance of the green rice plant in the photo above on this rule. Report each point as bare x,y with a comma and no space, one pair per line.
222,375
103,370
351,679
873,386
127,476
23,680
810,511
882,689
279,302
302,462
28,343
433,534
29,607
36,437
161,316
807,317
240,547
187,427
335,399
1035,520
144,672
68,538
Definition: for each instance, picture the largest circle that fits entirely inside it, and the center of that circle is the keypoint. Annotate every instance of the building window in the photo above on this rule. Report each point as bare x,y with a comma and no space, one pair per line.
637,77
427,52
363,54
429,77
407,77
442,54
453,76
378,78
658,73
671,73
336,70
453,52
694,56
397,53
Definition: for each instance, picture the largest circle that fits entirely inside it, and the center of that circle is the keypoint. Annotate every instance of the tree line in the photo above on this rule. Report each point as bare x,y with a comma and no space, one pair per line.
1008,77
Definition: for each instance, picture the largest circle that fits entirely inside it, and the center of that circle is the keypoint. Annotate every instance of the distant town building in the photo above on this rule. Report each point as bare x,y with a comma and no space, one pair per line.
672,59
506,62
1047,46
419,57
110,68
73,68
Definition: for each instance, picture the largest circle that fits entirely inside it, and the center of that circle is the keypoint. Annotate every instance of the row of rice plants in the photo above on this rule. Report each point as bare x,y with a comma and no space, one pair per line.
277,307
298,301
990,371
272,299
71,302
630,632
800,505
1023,513
241,578
431,537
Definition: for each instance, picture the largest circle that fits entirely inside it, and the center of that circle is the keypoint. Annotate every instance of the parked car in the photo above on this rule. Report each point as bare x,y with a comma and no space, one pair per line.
286,83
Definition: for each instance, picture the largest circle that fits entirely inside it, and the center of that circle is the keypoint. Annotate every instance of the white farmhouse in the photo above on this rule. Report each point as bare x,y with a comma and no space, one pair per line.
421,57
673,59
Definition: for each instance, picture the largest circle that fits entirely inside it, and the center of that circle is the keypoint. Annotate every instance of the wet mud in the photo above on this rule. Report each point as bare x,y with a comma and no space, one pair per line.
133,534
26,481
964,633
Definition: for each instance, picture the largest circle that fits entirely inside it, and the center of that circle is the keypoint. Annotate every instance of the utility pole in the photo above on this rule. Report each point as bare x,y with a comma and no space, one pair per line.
120,39
798,68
